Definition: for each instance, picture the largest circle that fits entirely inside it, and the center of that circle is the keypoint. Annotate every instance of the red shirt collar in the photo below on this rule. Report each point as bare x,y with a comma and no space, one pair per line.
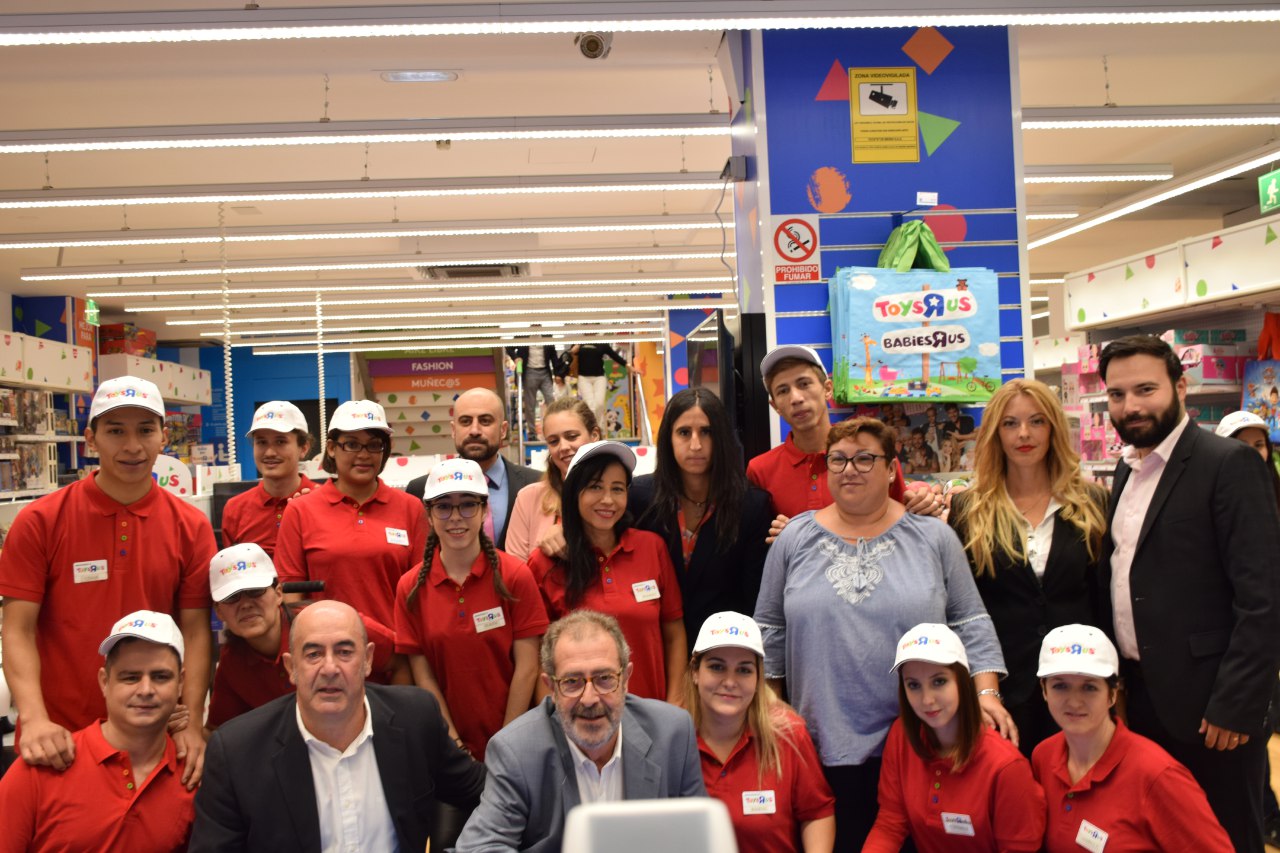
107,505
1115,751
334,496
438,575
101,750
742,744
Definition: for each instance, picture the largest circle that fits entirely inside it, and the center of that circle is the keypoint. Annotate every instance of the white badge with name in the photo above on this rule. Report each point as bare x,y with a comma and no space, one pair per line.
89,571
957,824
646,590
487,620
759,802
397,536
1091,837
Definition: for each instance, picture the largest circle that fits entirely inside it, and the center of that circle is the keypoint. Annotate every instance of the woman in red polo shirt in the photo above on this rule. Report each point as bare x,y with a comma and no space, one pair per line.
355,533
757,757
469,617
943,773
615,569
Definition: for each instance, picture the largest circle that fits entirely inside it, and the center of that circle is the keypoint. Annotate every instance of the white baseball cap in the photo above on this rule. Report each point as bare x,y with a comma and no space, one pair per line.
126,391
240,567
456,476
278,416
1077,650
777,354
932,643
1236,421
357,415
729,629
158,628
617,449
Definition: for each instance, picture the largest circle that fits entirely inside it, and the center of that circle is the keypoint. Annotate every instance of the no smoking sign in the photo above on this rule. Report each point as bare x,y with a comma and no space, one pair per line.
795,246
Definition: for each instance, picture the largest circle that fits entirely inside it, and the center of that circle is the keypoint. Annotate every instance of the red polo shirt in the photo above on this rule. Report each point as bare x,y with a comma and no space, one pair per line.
88,560
96,803
254,516
641,558
245,680
1136,793
466,633
358,550
797,481
992,803
767,812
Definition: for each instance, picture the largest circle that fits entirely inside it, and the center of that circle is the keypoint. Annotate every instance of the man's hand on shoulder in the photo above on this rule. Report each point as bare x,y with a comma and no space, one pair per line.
46,744
190,750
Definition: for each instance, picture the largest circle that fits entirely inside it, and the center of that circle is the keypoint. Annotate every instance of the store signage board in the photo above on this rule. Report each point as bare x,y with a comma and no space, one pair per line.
883,119
795,249
1269,192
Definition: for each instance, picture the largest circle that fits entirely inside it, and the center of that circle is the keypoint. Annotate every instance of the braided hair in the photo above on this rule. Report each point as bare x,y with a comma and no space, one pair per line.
486,546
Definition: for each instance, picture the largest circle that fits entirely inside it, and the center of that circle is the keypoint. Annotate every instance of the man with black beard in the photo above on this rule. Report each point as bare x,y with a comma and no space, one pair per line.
1194,591
480,430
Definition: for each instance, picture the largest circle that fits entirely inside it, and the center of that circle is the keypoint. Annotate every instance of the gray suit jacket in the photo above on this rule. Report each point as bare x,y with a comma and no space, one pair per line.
518,476
532,785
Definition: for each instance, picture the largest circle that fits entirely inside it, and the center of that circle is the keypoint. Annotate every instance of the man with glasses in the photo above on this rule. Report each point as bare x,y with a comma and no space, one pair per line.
587,742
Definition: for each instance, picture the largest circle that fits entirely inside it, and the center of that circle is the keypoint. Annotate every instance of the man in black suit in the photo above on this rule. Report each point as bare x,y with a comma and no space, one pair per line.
340,763
1190,561
480,430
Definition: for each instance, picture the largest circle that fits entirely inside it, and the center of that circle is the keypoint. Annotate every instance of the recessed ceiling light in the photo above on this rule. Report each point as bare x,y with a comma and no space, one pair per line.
419,76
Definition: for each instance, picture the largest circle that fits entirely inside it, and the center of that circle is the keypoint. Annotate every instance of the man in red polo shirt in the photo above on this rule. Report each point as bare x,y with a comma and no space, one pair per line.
280,443
124,792
74,560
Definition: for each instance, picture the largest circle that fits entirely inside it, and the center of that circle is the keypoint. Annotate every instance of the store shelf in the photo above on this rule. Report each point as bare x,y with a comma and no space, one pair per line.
46,439
8,421
9,456
1087,399
1214,390
19,494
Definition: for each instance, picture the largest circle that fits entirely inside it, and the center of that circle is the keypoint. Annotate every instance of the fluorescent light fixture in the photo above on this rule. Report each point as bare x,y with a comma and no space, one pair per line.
1185,115
1035,215
419,76
501,341
1096,174
628,308
605,333
1048,281
464,322
1040,316
1256,158
1039,299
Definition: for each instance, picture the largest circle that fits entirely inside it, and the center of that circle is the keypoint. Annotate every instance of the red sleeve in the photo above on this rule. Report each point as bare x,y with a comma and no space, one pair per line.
408,633
193,591
811,797
672,602
756,475
384,642
24,565
1018,811
552,593
231,521
528,612
290,558
1177,810
19,793
224,703
892,825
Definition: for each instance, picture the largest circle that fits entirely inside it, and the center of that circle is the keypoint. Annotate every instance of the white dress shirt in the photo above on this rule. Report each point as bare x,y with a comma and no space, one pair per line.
1040,538
598,785
1126,527
353,810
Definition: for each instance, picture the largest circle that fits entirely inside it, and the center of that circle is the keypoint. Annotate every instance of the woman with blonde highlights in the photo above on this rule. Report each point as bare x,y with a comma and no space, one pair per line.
1032,528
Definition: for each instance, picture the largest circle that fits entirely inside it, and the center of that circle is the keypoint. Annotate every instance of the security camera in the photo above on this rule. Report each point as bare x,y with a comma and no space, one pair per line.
594,45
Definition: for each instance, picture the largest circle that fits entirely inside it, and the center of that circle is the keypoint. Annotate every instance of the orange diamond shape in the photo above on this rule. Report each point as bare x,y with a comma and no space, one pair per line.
927,48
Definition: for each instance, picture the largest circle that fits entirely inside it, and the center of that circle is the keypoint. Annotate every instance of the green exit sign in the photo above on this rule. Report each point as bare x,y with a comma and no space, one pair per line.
1269,191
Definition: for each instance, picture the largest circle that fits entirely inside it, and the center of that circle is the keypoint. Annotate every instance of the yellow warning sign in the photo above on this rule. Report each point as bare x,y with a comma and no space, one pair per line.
882,115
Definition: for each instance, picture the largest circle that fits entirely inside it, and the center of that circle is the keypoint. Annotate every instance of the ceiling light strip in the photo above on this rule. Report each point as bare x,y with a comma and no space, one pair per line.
501,341
505,312
1181,115
570,324
598,333
496,298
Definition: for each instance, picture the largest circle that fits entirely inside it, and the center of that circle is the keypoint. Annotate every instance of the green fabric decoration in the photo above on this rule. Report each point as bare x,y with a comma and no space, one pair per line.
912,245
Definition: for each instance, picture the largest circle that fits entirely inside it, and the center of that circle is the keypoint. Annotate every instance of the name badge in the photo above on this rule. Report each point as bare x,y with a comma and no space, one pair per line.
1091,838
957,824
89,571
646,590
759,802
487,620
397,537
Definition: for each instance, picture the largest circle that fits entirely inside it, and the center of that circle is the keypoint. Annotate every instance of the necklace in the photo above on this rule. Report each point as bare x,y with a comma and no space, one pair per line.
1032,505
698,504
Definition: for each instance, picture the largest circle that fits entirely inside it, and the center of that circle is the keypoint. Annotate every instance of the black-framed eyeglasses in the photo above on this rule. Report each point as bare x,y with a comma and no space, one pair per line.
352,446
466,509
863,461
235,597
603,682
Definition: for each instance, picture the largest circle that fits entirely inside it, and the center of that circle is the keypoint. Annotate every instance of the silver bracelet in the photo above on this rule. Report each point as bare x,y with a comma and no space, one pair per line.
991,691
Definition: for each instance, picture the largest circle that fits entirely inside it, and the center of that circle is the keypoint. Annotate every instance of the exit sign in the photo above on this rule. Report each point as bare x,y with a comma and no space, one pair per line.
1269,191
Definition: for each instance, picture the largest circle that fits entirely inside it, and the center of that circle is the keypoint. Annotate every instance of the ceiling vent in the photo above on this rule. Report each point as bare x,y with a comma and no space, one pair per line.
449,273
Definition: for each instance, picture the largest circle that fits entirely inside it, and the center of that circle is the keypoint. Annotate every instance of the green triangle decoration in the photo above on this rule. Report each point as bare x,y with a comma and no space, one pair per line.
934,130
1128,272
400,417
435,398
41,328
1271,235
413,445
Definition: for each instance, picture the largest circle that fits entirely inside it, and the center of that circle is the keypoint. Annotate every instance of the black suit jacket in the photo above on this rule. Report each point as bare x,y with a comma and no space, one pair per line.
713,580
518,476
1205,586
258,793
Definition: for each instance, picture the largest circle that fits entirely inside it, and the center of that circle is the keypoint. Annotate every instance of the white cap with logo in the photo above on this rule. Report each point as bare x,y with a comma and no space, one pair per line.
126,391
1077,650
932,643
730,629
158,628
456,476
356,415
1236,421
616,449
278,416
240,567
777,354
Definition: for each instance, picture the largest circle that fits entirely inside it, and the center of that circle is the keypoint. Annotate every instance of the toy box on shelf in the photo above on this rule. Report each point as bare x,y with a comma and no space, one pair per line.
126,339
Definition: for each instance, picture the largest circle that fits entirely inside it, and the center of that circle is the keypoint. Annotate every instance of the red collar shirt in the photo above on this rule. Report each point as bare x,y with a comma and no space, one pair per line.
797,481
467,635
255,516
993,802
768,812
638,587
87,560
96,804
358,550
1135,797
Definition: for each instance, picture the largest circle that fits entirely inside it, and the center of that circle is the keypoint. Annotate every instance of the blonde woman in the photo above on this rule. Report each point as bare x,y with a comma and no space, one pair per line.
1032,528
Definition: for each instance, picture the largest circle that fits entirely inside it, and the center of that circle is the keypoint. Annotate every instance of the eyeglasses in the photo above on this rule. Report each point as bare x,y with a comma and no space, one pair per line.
863,462
352,446
466,509
235,597
573,685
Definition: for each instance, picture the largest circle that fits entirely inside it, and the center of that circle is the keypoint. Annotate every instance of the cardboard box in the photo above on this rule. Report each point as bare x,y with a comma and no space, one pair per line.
1185,336
1226,336
1211,364
124,346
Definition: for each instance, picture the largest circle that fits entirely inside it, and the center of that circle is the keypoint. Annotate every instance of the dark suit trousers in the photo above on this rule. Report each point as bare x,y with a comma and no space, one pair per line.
1232,780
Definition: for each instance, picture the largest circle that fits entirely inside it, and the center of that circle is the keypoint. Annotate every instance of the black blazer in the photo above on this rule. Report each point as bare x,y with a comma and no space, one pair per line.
258,793
1024,608
713,581
518,476
1205,586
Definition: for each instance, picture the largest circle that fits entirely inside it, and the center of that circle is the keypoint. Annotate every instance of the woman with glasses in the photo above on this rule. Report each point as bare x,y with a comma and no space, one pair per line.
841,585
469,617
612,568
355,533
699,501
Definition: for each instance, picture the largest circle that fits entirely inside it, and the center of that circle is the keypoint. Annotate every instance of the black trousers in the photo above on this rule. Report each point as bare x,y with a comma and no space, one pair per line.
857,788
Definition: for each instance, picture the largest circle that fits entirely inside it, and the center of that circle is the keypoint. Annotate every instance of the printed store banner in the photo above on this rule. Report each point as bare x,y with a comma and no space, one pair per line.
919,334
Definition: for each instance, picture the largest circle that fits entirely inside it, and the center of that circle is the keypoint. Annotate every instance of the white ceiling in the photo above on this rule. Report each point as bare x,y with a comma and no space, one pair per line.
120,86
